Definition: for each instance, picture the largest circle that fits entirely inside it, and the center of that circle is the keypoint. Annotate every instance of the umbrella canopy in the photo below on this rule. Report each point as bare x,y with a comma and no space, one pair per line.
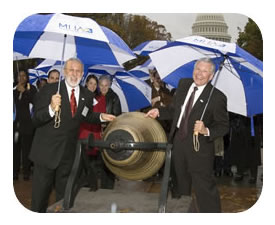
133,92
149,46
60,37
142,71
19,56
43,69
48,64
16,57
35,75
120,49
240,77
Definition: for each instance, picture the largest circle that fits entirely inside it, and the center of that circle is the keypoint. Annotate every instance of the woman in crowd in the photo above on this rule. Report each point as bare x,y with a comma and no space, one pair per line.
112,104
86,129
23,95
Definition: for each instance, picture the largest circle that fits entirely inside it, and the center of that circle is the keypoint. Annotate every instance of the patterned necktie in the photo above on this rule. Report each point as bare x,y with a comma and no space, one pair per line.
73,103
184,121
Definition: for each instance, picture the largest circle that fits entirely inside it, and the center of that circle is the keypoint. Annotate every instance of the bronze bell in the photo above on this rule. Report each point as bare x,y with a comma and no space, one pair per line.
134,164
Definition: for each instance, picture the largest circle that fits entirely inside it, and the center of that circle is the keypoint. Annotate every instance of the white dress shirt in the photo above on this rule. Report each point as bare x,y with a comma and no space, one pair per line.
197,95
69,90
76,94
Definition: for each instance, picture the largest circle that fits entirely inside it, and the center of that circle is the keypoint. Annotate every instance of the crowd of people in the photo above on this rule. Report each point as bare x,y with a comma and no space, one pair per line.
47,153
23,98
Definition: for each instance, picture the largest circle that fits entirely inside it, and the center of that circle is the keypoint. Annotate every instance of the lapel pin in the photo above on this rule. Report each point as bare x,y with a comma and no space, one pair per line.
82,99
201,100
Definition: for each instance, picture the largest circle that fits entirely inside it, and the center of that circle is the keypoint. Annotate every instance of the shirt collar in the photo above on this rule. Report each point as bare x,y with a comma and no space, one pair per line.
200,88
69,88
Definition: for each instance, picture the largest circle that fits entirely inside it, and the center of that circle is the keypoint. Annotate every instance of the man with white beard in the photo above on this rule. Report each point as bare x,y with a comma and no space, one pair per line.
53,148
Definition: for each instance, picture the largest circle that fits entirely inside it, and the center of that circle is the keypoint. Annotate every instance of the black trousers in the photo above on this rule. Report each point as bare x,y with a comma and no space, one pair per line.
44,179
200,179
21,151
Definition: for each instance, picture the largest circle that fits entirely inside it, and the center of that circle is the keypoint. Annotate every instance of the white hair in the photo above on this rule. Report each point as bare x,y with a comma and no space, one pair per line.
207,60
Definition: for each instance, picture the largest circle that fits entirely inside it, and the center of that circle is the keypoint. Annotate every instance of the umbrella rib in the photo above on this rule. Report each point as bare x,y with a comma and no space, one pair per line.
217,55
229,68
243,67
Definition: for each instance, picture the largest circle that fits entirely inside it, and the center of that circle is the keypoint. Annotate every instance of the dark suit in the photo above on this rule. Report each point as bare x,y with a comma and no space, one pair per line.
53,149
191,167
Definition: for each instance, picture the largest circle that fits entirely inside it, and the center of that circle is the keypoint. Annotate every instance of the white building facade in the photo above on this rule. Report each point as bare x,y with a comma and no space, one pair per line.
212,26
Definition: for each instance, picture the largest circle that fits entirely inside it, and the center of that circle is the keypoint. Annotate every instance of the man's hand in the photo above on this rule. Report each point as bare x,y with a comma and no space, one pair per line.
153,113
56,102
200,128
107,117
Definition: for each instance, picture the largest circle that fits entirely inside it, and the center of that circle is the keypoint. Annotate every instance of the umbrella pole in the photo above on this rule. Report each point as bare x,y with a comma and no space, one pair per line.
62,60
57,113
196,142
17,65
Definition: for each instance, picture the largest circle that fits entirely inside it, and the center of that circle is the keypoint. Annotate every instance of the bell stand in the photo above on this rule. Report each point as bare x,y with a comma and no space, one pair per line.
81,162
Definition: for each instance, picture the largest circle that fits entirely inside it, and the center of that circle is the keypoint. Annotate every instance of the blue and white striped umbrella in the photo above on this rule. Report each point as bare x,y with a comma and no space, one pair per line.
240,77
19,56
142,71
35,75
49,64
134,93
149,46
60,37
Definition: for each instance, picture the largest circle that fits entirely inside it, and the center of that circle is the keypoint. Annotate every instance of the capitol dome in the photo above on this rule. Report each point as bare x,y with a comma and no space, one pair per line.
212,26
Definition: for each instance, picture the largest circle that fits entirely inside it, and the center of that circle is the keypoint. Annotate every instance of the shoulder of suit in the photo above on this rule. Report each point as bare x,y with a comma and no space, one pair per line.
186,81
52,85
219,92
49,88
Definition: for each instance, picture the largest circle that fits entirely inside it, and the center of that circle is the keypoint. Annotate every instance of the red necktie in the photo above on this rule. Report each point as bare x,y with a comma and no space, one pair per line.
73,103
184,121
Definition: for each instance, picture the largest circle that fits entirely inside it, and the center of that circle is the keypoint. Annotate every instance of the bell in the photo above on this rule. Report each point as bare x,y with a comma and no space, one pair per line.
134,164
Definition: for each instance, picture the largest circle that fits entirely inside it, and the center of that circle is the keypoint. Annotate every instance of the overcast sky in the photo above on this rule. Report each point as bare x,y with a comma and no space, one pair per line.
180,24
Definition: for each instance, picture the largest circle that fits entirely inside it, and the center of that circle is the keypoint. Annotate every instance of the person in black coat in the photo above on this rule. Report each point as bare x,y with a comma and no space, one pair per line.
245,149
23,96
113,106
195,168
53,149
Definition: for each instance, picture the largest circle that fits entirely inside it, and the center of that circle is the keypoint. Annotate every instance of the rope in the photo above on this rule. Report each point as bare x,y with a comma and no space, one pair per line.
196,142
57,119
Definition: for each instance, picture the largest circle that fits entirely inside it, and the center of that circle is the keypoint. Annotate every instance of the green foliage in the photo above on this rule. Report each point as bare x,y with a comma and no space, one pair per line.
251,39
133,29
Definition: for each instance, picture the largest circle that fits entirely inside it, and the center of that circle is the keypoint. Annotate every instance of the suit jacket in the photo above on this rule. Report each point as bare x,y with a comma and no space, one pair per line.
50,144
215,117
